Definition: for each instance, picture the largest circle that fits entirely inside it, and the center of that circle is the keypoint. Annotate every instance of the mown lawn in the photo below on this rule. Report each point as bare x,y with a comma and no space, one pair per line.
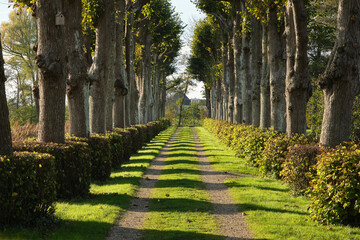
270,211
180,204
92,218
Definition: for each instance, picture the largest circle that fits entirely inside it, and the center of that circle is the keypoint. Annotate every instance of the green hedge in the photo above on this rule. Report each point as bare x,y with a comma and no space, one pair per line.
127,141
98,149
335,191
27,187
298,168
143,133
117,149
136,139
331,177
71,162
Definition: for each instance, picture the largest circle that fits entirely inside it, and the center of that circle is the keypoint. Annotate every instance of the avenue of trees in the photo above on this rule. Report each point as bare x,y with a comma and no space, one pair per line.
258,58
109,57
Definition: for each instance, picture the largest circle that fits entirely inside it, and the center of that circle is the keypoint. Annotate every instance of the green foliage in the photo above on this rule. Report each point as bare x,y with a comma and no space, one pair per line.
18,36
205,51
275,151
335,190
98,149
192,114
315,111
117,149
143,135
72,165
136,139
27,188
127,141
298,168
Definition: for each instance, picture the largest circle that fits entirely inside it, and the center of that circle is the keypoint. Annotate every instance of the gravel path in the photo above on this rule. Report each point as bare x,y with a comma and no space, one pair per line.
129,226
233,225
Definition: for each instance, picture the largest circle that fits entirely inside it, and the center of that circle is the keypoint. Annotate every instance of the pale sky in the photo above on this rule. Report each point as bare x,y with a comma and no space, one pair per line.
188,13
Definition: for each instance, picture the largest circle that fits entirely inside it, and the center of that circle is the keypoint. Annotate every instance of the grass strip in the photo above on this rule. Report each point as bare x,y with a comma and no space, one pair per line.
222,158
92,218
271,212
180,205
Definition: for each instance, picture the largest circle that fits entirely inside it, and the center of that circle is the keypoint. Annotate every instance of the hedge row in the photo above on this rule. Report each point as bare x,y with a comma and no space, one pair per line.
330,177
31,182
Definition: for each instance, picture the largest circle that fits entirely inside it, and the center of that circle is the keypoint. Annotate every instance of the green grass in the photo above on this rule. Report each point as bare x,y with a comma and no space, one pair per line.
179,207
222,158
91,218
271,212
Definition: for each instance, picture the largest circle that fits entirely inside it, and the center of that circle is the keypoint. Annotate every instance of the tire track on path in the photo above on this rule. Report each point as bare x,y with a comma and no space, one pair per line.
130,224
233,225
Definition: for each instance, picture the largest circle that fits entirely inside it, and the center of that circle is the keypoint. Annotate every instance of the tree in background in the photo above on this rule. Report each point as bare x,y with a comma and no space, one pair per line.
19,35
5,131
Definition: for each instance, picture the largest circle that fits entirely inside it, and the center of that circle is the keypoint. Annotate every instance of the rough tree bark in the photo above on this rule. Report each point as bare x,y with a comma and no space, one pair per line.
50,60
231,69
100,70
277,72
5,131
121,82
130,60
145,80
340,81
245,69
298,88
256,61
225,80
265,121
110,62
77,72
208,101
237,63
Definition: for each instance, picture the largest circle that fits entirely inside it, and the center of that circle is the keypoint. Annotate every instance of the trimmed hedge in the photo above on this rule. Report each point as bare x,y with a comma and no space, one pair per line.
27,187
298,168
331,177
117,149
335,191
136,139
71,162
98,149
127,141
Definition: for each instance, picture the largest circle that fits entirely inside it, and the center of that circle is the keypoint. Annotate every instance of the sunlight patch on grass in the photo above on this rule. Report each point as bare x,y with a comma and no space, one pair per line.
180,204
220,156
91,218
272,213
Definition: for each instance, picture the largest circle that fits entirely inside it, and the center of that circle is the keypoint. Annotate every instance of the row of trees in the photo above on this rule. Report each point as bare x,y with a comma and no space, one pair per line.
261,75
110,58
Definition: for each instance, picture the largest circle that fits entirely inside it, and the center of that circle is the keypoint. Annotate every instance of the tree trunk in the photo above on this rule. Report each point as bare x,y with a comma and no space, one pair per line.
145,80
5,131
246,78
50,60
237,63
110,62
340,81
77,75
298,88
256,61
100,71
130,60
265,121
208,101
231,69
277,72
219,111
225,80
120,83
